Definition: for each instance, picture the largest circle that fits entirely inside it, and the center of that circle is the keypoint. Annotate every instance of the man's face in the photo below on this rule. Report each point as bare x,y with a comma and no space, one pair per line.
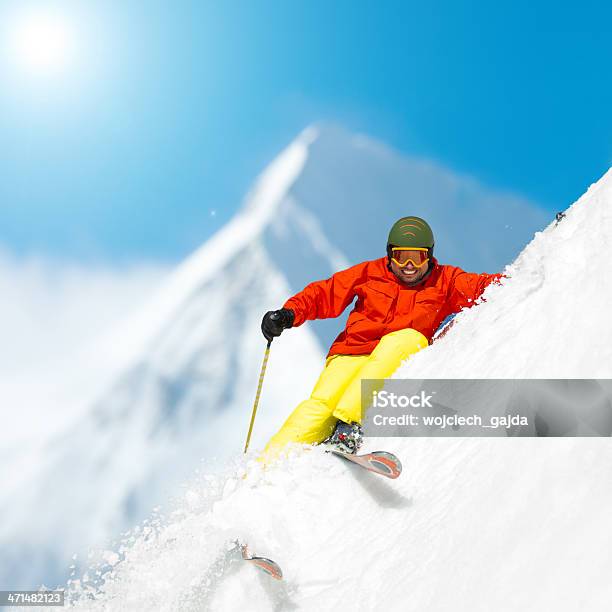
409,274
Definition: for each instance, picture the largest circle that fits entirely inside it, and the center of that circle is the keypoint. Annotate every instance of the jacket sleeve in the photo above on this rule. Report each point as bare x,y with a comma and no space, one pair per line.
327,298
466,287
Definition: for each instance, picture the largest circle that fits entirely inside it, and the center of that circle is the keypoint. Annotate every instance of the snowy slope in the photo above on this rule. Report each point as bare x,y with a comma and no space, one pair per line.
183,372
483,525
562,280
472,524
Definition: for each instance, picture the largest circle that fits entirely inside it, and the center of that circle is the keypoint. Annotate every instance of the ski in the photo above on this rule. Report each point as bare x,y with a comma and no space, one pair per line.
379,462
265,565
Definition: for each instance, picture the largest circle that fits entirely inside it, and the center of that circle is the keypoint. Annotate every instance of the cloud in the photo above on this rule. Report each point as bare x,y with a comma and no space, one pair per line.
51,314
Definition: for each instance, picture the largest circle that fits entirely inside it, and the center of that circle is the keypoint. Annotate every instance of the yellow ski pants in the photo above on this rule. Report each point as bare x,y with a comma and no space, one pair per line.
337,393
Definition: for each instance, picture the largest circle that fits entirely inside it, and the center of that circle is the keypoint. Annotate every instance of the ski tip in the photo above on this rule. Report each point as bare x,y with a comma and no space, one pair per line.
384,468
392,460
264,564
267,566
382,463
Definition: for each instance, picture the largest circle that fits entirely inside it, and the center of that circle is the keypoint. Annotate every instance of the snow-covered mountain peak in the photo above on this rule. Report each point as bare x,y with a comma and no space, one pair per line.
276,180
215,256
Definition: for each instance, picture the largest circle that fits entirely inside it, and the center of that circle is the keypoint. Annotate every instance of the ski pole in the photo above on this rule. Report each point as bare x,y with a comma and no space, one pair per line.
261,377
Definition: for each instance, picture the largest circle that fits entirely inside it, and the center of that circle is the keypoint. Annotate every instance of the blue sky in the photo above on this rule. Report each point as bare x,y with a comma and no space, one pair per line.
149,138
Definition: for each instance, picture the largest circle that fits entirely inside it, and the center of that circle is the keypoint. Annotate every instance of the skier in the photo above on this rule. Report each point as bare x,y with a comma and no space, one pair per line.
401,300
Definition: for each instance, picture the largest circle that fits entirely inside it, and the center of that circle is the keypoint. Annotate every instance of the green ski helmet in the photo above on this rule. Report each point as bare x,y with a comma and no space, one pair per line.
411,232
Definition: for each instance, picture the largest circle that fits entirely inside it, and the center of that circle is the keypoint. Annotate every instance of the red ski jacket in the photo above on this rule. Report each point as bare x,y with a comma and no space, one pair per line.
384,304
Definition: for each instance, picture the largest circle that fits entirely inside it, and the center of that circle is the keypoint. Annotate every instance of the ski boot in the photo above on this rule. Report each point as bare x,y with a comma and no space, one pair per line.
347,437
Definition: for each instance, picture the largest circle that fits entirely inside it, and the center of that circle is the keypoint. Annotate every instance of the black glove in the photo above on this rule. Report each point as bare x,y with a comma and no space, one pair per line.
275,321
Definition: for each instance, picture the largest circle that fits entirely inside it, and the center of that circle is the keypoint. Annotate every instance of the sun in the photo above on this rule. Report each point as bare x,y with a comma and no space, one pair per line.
42,43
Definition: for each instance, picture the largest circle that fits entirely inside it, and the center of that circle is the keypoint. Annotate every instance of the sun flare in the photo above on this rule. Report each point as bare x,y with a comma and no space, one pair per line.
42,43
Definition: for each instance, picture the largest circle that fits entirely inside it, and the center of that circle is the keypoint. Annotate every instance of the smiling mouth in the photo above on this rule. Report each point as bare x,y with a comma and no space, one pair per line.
408,272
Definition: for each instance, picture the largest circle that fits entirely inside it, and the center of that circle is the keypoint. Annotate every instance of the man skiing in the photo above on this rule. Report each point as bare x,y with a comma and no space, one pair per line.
401,300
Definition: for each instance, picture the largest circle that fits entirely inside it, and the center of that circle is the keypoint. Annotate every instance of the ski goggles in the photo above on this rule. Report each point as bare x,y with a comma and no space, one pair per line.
417,257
